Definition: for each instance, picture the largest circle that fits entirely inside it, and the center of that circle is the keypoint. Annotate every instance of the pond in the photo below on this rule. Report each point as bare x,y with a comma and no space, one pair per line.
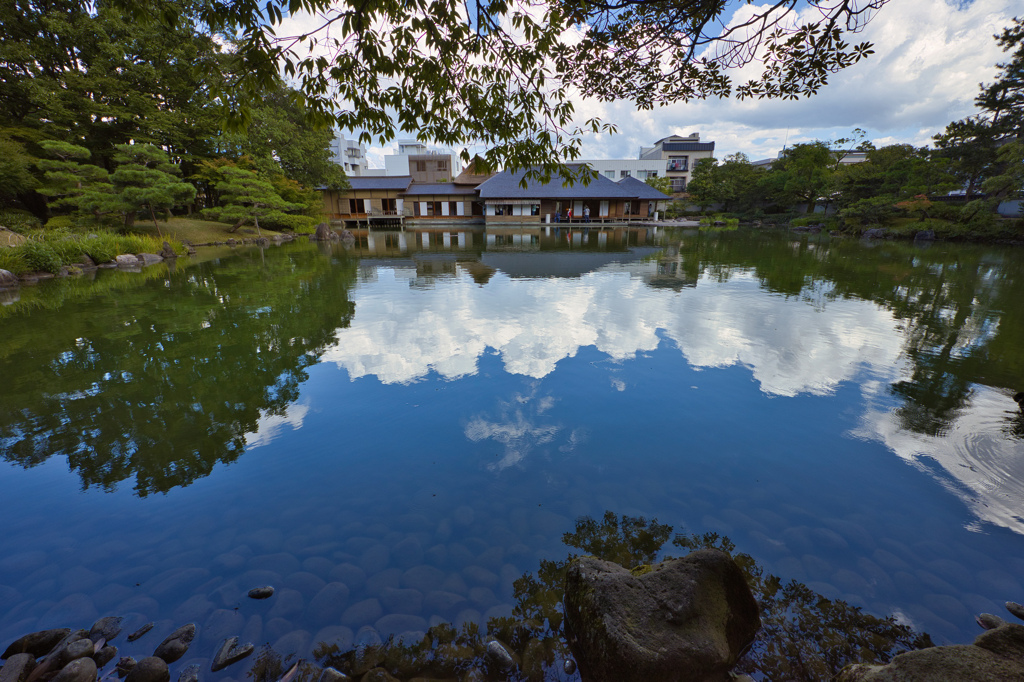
403,433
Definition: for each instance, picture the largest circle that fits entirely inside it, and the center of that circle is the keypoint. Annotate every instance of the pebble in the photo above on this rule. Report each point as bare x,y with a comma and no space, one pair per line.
176,580
253,630
230,653
366,636
318,566
481,576
350,574
140,632
423,578
149,669
79,579
375,559
105,628
288,603
276,628
499,657
73,651
37,643
17,667
988,621
498,611
229,561
335,636
23,562
331,675
71,609
78,670
390,577
280,562
259,577
482,597
221,624
305,583
125,665
407,600
1016,609
396,623
105,655
264,592
407,553
441,602
195,608
328,604
294,643
176,644
366,611
139,604
569,666
189,674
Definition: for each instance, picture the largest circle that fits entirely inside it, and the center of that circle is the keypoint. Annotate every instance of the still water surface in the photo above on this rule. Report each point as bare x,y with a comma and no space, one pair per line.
416,427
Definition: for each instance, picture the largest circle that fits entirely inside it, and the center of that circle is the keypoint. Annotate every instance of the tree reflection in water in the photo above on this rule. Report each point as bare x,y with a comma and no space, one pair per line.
804,635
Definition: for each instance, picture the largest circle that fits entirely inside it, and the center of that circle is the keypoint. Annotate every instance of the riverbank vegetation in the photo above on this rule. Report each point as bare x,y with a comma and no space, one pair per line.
952,189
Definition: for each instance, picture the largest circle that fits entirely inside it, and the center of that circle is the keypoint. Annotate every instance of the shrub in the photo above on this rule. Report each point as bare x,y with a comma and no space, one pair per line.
13,260
39,255
875,210
60,222
18,220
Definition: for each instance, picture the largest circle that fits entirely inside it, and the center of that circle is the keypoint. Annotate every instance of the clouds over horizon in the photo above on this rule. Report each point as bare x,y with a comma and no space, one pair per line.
929,58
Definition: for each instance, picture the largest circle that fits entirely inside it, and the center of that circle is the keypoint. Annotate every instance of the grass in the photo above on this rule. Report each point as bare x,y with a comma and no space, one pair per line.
51,250
198,231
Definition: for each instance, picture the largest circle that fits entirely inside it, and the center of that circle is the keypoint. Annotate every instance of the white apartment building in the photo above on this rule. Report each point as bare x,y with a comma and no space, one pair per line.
349,154
671,157
399,164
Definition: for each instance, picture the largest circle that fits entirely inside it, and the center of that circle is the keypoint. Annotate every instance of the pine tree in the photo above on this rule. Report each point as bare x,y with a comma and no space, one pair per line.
247,195
146,179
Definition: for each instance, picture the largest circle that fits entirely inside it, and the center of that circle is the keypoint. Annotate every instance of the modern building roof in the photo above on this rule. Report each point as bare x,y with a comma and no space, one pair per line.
642,189
439,188
688,147
399,182
505,185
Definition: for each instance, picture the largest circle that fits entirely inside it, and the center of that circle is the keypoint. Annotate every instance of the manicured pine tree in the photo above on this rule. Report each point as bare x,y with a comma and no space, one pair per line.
70,183
246,195
146,179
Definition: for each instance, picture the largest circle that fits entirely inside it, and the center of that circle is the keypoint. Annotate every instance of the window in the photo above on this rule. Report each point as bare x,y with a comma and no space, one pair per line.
442,165
453,208
391,241
610,174
421,166
355,206
678,184
623,174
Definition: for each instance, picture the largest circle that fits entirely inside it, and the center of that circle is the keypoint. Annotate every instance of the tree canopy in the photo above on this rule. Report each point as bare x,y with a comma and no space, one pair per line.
505,73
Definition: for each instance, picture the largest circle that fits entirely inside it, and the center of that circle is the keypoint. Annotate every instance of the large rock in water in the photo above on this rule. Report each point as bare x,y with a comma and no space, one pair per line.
324,233
996,655
8,279
685,619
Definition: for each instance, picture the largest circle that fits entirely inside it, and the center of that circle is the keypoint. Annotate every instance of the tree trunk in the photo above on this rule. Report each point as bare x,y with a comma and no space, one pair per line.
152,214
241,221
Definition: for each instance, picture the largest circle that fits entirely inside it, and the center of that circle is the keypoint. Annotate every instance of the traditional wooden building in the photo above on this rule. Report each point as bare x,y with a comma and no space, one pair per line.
506,202
373,201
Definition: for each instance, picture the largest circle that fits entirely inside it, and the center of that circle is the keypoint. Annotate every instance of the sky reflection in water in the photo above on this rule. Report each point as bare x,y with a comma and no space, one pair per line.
305,412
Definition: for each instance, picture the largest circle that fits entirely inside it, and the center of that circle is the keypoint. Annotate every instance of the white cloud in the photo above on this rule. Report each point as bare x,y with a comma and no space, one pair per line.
929,57
269,425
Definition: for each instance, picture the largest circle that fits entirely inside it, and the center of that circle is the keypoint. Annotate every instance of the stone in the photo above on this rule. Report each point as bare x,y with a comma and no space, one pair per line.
569,666
397,623
230,653
105,628
264,592
365,611
337,636
875,233
125,665
378,675
73,651
996,654
221,624
294,643
168,252
148,258
127,260
1015,609
305,583
140,632
924,236
324,233
288,603
37,643
498,657
988,621
17,668
149,669
682,619
423,578
105,655
8,279
176,644
78,670
406,600
329,674
407,553
350,574
189,673
328,604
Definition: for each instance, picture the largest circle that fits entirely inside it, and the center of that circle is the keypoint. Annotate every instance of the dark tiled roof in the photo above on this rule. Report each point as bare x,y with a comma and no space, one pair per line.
688,147
380,182
642,189
438,188
505,185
